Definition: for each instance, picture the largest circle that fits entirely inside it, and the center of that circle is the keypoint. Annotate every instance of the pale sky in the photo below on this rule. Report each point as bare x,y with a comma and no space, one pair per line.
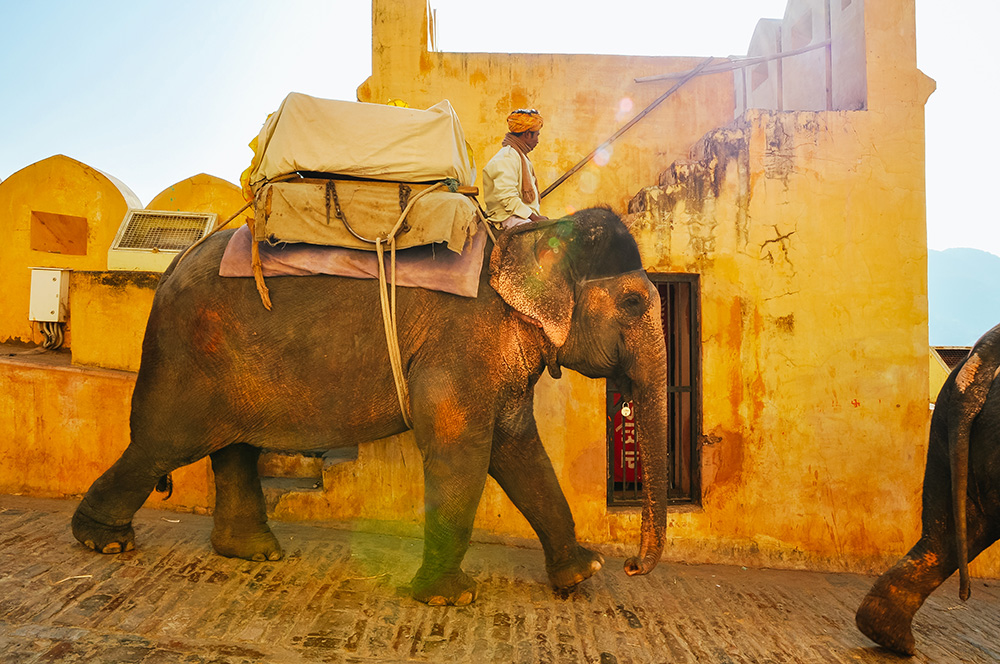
155,91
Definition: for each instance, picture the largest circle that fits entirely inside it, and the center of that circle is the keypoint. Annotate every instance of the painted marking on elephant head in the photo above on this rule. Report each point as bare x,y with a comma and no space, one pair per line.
968,372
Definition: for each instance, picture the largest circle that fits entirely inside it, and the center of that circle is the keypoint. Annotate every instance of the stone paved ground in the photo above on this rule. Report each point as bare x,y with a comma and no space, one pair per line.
341,596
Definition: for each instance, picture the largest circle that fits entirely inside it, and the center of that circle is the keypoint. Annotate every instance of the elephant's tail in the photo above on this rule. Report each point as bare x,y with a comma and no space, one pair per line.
165,485
973,382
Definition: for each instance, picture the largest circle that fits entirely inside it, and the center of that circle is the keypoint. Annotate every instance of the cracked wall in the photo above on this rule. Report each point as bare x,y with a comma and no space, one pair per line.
807,230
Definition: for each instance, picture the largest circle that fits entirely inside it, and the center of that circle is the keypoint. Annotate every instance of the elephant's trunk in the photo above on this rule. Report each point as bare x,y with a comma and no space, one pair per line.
649,389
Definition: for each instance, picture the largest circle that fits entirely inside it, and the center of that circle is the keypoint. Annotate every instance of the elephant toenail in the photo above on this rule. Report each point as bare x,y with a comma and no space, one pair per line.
130,546
465,599
437,601
114,547
274,555
90,545
258,557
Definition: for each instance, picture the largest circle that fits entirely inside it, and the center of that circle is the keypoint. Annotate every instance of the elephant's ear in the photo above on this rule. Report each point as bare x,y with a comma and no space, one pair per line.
529,270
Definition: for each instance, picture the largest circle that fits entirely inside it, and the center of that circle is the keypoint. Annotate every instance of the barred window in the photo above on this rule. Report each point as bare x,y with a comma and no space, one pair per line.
680,318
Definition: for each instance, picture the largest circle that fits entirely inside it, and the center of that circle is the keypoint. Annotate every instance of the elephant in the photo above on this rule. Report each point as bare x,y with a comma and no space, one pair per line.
223,377
961,500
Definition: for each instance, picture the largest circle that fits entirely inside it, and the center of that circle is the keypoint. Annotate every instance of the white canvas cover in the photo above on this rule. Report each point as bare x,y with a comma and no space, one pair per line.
306,211
362,140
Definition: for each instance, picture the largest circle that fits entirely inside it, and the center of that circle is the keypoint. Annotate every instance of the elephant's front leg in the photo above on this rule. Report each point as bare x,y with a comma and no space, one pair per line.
455,444
523,470
241,529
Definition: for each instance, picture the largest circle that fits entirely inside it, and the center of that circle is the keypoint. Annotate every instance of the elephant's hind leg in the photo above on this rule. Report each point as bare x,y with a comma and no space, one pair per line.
103,519
241,529
886,613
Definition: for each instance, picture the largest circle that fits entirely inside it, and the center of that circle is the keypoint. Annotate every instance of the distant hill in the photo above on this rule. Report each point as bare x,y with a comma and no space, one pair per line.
963,293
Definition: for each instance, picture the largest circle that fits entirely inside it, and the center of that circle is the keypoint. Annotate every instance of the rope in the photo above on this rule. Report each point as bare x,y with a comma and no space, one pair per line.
387,298
216,229
258,271
391,331
388,302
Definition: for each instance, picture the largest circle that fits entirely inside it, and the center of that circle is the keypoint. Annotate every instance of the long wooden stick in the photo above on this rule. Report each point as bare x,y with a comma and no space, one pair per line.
628,125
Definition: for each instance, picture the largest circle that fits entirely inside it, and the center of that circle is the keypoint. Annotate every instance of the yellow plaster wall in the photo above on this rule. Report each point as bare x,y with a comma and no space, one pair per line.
64,426
814,330
58,185
200,193
583,99
110,310
939,373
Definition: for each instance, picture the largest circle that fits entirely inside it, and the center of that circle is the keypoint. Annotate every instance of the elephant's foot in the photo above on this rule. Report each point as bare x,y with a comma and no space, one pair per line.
456,589
581,566
258,546
886,615
99,537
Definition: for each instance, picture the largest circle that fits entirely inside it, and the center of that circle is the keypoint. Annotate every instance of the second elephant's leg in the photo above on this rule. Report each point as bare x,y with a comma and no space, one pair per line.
886,613
522,468
241,529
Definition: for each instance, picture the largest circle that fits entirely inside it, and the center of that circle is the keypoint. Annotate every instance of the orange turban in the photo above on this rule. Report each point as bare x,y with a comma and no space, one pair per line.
523,120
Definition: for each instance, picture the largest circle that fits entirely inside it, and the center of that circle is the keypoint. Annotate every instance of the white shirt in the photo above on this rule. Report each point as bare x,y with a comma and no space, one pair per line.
502,187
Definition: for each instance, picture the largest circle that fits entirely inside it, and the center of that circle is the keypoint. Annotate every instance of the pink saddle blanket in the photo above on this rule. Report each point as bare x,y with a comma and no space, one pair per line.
432,267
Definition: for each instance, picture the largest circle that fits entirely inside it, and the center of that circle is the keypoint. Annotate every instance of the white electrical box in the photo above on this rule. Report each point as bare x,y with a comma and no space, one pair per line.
49,297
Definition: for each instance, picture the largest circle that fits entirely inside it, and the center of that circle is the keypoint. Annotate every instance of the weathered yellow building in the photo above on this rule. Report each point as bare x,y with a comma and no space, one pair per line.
786,194
56,213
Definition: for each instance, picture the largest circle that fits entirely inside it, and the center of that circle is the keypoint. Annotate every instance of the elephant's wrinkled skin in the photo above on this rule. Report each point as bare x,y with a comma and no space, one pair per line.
223,377
961,486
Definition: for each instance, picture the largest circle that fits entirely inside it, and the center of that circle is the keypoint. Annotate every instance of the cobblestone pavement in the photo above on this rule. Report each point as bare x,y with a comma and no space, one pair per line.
342,596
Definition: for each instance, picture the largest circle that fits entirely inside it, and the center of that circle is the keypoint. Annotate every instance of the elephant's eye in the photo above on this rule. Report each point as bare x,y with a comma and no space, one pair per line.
633,304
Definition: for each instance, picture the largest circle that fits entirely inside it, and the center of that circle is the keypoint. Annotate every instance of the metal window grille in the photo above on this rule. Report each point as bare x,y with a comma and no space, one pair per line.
163,231
150,239
680,319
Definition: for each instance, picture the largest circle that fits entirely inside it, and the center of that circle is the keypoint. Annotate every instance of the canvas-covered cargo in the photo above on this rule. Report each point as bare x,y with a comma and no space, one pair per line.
361,140
318,211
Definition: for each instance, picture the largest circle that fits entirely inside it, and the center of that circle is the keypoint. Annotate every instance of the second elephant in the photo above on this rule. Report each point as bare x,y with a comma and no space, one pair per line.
961,499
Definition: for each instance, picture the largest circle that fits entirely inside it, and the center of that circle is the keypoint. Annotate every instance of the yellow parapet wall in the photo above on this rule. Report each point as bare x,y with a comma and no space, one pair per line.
56,212
64,425
109,317
200,193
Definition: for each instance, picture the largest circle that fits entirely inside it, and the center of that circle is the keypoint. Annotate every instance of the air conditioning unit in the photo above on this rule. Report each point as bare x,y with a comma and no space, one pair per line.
148,240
